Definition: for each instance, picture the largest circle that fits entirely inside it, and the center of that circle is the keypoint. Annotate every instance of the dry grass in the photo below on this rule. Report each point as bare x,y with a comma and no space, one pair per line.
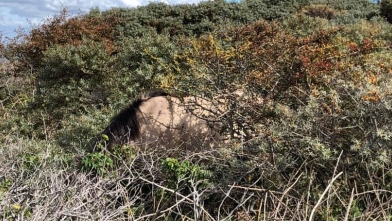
49,186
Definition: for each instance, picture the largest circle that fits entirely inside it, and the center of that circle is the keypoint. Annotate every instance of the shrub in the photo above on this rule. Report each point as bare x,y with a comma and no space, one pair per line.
98,162
306,107
322,11
359,9
27,50
386,9
184,172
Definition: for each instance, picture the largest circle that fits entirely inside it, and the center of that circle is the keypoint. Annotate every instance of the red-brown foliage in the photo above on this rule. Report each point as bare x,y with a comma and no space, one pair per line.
62,30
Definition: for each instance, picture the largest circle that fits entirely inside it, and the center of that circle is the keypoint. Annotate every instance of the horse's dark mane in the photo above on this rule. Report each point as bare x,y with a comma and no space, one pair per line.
125,125
158,93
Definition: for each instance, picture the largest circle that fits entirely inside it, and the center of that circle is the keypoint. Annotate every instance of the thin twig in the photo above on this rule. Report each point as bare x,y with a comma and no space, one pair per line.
286,191
322,196
349,205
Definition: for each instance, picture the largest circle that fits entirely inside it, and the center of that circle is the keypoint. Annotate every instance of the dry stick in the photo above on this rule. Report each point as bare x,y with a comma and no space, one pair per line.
299,209
373,191
265,206
322,196
45,131
258,215
260,190
285,192
251,188
238,206
267,191
308,194
337,162
374,186
178,194
196,200
334,173
349,205
164,211
227,194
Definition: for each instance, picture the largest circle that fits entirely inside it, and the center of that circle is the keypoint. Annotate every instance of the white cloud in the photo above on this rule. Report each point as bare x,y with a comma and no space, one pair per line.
54,5
131,3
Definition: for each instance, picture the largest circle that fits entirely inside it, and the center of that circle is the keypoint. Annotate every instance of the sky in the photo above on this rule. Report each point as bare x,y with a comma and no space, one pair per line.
29,13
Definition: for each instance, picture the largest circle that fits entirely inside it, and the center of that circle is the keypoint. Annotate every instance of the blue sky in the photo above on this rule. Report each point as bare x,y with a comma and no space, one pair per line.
29,13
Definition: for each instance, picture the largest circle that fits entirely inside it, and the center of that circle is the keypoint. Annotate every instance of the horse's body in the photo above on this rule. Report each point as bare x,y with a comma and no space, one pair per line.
162,120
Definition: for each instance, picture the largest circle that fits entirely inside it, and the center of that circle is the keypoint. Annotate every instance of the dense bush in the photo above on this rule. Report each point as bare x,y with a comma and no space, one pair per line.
386,10
304,86
358,9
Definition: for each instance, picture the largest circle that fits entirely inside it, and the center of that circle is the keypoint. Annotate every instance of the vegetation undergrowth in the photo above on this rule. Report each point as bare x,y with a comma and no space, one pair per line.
310,137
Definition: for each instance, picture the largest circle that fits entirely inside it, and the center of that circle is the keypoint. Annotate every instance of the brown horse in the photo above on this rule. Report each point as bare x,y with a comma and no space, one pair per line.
160,119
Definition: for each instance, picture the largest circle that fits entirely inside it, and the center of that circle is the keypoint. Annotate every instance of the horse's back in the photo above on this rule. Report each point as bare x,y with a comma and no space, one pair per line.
166,121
